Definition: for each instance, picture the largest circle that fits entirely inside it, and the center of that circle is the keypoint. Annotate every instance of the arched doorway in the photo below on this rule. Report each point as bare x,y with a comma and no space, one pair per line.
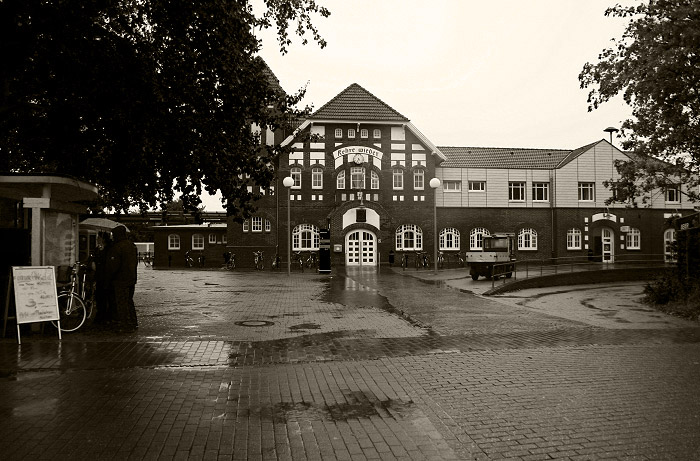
360,248
604,245
669,239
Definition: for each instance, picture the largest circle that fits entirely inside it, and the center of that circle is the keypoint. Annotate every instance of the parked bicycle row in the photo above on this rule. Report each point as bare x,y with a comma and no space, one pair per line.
423,260
299,261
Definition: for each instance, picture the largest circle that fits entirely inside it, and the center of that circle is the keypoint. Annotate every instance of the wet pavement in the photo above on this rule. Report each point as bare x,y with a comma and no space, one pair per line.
359,365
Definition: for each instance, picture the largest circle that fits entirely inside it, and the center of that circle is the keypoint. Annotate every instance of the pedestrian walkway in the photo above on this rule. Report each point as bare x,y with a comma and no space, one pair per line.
357,365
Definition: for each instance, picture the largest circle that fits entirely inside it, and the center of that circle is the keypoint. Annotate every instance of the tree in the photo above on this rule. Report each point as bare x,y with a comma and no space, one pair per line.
656,68
141,97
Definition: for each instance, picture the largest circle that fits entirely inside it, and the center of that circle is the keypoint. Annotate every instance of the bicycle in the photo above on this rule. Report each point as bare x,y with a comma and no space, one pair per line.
230,260
422,260
311,261
71,306
275,263
259,260
189,262
299,259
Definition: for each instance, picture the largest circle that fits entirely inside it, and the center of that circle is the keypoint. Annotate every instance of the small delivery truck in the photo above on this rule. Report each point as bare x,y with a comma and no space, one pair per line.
495,259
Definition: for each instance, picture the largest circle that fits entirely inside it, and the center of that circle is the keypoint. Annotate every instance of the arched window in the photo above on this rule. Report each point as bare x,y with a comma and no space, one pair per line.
449,239
340,180
357,177
173,242
409,237
338,133
305,237
377,133
573,239
375,180
476,238
527,239
364,133
633,239
197,242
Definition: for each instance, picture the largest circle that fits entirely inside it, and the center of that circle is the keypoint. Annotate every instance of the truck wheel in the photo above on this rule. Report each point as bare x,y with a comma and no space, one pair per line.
475,276
509,275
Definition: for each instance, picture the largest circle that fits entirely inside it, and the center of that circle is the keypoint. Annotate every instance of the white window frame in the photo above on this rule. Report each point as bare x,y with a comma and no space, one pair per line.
364,133
340,180
409,233
374,180
449,239
477,186
586,191
418,180
452,186
338,133
351,133
197,241
377,133
357,177
672,195
173,242
268,226
212,238
246,226
633,239
295,173
516,188
540,188
573,239
256,224
397,179
527,239
305,237
317,178
476,238
224,239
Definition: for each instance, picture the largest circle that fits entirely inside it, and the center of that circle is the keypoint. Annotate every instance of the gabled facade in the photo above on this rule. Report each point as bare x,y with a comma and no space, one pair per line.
362,171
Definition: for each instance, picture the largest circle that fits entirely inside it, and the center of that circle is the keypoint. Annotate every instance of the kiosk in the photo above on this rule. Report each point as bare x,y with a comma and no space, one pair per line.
39,223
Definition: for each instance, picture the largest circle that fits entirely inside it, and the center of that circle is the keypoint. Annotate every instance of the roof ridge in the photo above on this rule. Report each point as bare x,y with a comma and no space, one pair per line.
341,107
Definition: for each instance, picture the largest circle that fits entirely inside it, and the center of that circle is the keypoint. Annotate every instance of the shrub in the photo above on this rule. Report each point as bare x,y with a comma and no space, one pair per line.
675,295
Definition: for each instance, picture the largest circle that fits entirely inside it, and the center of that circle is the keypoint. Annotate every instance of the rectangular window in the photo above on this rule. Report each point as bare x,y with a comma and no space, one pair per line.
246,225
418,180
364,133
351,133
586,191
673,196
338,133
477,186
317,178
173,242
197,242
452,186
257,224
357,177
398,179
296,176
516,191
540,191
212,238
268,225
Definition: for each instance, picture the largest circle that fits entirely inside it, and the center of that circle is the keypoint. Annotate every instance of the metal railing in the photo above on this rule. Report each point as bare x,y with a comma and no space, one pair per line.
550,266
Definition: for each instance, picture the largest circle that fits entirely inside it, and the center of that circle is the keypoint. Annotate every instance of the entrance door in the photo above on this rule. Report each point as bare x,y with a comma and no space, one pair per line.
608,237
669,239
360,248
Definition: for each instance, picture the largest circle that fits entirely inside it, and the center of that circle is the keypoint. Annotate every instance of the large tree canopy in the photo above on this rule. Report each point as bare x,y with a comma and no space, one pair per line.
655,65
139,96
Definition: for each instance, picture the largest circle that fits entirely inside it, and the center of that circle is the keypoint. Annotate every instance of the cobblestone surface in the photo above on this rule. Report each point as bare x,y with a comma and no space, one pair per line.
356,366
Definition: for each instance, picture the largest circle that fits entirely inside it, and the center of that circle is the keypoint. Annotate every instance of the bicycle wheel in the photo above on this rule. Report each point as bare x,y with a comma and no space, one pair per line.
71,311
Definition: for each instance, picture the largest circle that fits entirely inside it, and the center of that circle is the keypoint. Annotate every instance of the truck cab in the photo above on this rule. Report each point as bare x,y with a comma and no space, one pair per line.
496,258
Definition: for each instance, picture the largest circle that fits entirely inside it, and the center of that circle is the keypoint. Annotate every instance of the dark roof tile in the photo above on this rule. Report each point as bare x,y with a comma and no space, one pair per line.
356,103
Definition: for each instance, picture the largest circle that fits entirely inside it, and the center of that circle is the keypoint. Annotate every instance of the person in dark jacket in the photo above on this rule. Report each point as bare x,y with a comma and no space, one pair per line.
120,269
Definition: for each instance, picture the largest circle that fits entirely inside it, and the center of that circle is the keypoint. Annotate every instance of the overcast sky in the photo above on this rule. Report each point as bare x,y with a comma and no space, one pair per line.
465,72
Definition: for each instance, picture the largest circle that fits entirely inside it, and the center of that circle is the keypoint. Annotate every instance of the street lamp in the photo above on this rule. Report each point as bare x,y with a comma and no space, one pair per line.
435,183
288,183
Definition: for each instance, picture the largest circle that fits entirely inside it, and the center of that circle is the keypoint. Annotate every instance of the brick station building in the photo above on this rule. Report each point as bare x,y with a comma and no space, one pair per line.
363,171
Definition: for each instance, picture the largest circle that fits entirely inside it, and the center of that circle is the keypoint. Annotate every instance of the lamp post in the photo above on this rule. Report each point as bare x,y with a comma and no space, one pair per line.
288,183
434,184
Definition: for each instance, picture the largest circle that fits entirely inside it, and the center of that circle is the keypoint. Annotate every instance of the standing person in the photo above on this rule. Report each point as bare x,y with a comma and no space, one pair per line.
122,261
104,314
